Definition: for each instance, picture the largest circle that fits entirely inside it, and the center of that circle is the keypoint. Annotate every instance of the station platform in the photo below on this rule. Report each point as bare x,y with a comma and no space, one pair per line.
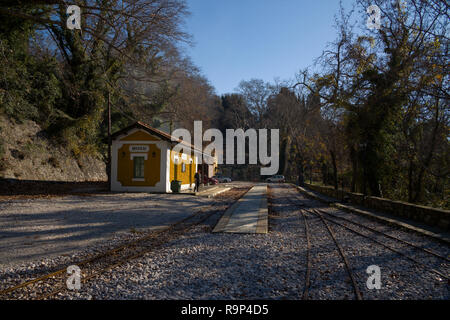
248,215
207,191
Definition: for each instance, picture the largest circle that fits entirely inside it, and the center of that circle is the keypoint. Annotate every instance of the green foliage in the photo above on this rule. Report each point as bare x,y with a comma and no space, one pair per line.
29,87
62,78
387,91
14,84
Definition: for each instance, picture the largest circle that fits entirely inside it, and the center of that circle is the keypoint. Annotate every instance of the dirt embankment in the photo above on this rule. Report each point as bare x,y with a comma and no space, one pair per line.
26,153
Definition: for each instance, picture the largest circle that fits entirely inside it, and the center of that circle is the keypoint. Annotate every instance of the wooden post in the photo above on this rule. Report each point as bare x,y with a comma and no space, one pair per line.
108,169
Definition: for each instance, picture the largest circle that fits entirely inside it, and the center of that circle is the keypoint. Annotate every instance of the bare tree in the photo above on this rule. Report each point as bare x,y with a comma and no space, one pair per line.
256,92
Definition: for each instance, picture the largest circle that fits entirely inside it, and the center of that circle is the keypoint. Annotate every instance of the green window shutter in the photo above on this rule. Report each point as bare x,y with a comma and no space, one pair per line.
138,164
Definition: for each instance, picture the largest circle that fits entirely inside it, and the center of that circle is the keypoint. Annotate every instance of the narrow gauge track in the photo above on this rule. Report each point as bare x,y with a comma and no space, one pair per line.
407,243
308,246
423,265
308,257
348,267
429,251
49,285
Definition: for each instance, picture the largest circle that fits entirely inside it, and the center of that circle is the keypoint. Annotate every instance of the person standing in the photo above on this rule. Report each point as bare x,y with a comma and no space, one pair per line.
197,181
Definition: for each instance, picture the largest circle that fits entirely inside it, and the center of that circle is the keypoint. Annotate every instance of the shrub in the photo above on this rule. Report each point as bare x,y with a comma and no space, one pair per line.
54,162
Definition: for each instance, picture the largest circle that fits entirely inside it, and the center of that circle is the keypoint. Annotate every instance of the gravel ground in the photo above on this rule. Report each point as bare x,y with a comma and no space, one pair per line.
33,229
15,274
401,278
202,265
329,277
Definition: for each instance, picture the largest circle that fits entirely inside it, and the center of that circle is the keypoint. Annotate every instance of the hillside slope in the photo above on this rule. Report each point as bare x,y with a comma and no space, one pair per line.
26,153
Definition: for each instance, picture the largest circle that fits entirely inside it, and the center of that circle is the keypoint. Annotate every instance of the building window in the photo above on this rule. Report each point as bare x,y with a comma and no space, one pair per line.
138,164
183,167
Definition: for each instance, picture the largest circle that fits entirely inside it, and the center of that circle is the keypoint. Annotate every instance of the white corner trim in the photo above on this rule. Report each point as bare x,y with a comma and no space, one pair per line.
167,166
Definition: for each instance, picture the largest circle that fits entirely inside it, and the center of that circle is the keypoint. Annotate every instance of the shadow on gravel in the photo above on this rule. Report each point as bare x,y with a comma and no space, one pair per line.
47,228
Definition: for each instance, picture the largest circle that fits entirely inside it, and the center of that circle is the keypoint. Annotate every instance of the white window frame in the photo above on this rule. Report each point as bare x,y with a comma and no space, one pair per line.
140,155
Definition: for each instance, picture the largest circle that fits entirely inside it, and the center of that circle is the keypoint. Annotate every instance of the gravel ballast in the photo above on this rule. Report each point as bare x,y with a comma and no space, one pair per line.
203,265
33,229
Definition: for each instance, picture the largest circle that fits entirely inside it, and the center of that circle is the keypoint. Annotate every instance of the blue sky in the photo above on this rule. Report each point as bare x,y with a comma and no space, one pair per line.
243,39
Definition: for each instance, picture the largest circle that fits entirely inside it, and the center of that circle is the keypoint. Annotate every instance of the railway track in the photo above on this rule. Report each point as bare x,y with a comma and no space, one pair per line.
308,244
426,250
330,221
331,218
340,250
308,258
423,265
49,285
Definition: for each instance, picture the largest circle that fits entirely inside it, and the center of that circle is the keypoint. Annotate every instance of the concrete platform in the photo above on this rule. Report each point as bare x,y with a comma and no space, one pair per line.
208,191
248,215
212,193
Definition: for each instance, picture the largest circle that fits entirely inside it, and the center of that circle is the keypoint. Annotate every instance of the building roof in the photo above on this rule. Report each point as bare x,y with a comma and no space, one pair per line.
160,134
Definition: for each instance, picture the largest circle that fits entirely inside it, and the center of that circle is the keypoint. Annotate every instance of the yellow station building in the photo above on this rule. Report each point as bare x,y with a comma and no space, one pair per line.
143,160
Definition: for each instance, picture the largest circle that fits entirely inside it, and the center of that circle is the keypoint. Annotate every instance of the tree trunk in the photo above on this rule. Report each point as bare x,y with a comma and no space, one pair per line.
301,176
285,151
335,173
374,185
418,192
354,169
426,164
324,174
410,181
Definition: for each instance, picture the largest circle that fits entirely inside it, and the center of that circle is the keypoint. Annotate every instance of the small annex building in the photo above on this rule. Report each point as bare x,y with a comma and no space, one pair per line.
143,160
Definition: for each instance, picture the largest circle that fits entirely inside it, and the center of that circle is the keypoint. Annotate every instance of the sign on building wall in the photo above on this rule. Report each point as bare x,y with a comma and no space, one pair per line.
139,148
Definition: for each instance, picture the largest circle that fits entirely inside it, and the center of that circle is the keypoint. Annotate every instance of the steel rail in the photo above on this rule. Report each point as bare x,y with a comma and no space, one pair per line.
391,249
308,252
308,258
108,267
96,257
388,236
424,266
344,257
339,248
117,250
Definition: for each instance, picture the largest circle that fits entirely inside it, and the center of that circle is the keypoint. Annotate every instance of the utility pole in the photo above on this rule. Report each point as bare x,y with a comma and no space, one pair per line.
108,169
